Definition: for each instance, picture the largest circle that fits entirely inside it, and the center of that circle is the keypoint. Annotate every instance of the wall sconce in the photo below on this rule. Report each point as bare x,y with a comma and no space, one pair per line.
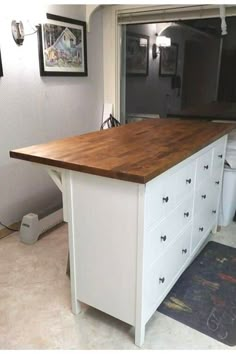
161,41
143,42
18,33
17,30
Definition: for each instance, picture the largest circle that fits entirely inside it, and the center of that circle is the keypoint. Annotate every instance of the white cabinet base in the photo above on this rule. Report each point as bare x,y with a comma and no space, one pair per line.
129,243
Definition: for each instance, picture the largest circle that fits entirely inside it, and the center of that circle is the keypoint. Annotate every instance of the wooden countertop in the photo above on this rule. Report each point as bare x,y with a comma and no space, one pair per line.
135,152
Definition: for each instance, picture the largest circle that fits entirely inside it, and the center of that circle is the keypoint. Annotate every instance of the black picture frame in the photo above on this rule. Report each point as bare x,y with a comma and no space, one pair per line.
168,60
1,69
137,55
62,47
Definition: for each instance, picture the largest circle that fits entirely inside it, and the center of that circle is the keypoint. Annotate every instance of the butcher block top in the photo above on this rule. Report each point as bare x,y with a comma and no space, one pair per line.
135,152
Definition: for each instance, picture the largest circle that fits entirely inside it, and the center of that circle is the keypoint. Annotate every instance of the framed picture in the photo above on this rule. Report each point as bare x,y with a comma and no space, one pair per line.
1,70
168,60
62,47
137,54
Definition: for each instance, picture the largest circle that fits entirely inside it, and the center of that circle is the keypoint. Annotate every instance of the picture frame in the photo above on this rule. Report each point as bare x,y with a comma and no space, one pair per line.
1,69
137,54
168,60
62,47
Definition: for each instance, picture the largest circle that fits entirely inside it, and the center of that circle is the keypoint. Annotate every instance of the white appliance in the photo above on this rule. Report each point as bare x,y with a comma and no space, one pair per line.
33,225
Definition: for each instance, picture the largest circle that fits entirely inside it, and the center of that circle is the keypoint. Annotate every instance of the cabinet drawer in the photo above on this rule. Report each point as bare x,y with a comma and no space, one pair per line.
165,269
215,188
158,238
204,165
212,211
183,214
185,179
159,199
217,174
218,155
200,228
202,197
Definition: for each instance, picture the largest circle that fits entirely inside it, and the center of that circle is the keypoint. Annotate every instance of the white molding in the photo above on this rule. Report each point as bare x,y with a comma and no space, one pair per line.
109,55
89,11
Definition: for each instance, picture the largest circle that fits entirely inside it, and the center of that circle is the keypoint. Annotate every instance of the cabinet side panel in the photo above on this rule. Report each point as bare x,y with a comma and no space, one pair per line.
105,218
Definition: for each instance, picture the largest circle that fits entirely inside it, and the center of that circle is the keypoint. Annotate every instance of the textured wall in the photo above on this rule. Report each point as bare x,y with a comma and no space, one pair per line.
37,109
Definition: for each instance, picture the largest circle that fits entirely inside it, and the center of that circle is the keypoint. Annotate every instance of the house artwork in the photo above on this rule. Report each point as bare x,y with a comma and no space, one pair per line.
65,50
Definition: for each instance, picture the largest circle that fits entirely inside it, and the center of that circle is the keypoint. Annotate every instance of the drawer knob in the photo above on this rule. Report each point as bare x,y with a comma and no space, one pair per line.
165,199
201,229
163,238
214,211
204,196
186,215
184,250
220,156
217,182
206,167
161,280
188,181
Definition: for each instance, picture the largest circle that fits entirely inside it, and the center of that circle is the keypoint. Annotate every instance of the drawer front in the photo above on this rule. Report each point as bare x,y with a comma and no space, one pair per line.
218,155
185,180
217,174
203,196
204,166
159,199
213,203
200,228
213,210
158,238
214,191
164,270
184,213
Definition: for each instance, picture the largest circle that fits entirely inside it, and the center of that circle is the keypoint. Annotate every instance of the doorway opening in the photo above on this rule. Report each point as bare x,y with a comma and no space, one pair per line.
193,77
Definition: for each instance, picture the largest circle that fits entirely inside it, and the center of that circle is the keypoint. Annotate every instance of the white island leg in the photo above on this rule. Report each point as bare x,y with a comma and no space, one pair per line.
139,334
73,240
62,179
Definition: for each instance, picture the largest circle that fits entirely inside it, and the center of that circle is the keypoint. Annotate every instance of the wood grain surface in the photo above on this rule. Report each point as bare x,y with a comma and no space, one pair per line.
135,152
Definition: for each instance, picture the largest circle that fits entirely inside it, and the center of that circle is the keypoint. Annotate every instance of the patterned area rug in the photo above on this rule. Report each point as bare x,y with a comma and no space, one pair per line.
204,298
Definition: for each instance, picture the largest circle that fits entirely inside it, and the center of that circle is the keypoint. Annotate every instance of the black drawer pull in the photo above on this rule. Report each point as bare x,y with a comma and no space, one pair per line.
163,238
161,280
201,229
206,167
220,156
184,251
214,211
165,199
204,196
217,182
186,215
188,181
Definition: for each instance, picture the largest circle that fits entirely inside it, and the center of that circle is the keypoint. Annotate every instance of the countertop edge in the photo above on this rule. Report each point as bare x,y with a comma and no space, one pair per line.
114,174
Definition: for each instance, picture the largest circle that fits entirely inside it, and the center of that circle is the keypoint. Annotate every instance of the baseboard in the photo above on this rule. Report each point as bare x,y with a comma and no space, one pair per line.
5,232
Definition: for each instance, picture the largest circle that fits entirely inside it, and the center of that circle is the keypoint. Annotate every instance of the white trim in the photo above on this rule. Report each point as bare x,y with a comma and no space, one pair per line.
89,10
139,318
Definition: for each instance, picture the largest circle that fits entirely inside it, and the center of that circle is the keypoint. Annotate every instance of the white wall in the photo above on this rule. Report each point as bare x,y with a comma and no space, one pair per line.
36,109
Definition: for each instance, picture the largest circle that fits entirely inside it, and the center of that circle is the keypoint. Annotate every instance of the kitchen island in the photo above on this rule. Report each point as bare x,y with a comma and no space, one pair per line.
140,201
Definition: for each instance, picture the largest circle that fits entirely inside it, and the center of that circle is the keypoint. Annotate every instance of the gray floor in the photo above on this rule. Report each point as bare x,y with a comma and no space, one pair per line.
35,308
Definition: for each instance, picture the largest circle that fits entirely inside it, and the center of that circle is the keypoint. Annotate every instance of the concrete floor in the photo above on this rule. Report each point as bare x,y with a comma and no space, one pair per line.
35,310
